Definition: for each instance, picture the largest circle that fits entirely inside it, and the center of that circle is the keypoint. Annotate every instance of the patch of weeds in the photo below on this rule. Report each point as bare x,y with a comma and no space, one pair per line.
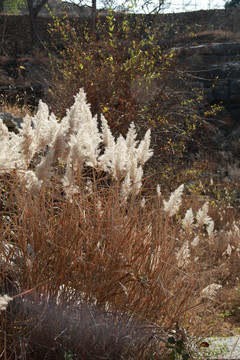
178,349
212,349
232,307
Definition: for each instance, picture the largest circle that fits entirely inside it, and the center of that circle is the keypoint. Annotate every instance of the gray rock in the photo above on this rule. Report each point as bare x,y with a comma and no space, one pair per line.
235,91
221,93
217,67
12,122
224,347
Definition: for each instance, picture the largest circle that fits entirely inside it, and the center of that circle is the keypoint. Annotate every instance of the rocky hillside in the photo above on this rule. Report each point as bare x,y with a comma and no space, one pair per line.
207,44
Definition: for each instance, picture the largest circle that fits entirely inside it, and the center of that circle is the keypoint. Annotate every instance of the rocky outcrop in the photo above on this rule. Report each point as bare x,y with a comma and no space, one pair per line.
216,68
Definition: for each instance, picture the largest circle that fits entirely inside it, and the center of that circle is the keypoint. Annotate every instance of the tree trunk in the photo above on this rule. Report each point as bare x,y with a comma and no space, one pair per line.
33,28
94,6
1,6
94,13
33,14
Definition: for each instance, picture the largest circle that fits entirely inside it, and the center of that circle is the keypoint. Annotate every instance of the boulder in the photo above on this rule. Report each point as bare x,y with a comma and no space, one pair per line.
12,122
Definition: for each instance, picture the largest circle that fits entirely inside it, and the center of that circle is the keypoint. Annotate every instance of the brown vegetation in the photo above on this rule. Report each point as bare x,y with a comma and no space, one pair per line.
92,277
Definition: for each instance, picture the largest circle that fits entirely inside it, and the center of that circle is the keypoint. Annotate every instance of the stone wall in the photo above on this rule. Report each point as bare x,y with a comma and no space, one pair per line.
15,34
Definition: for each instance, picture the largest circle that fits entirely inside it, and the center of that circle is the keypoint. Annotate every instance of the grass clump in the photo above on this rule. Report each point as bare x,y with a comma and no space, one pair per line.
96,267
89,263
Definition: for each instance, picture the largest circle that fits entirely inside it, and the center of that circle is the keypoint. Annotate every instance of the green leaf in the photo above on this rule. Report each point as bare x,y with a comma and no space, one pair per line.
180,344
171,340
179,350
172,356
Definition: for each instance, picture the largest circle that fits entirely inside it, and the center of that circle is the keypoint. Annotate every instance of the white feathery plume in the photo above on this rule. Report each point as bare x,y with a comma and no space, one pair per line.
158,191
120,159
85,146
44,170
195,241
89,150
236,233
133,169
26,138
99,208
203,218
74,141
172,205
75,158
94,134
134,154
4,300
188,220
228,251
236,230
45,127
40,122
69,185
126,187
210,291
143,151
183,255
8,150
60,143
143,202
78,135
202,215
107,137
107,159
137,183
3,130
86,129
115,159
131,137
10,157
79,112
210,227
33,184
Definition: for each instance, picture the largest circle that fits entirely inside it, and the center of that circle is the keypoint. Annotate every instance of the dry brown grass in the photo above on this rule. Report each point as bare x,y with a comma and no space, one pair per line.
17,109
96,278
103,278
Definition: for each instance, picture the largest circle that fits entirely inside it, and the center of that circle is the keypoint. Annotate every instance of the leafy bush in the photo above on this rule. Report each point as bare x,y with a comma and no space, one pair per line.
128,77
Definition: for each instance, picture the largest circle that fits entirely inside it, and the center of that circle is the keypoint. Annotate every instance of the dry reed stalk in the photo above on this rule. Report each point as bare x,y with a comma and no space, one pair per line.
104,274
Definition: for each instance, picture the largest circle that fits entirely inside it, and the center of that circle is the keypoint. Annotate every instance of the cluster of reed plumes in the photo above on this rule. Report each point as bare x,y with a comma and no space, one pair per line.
90,268
75,142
